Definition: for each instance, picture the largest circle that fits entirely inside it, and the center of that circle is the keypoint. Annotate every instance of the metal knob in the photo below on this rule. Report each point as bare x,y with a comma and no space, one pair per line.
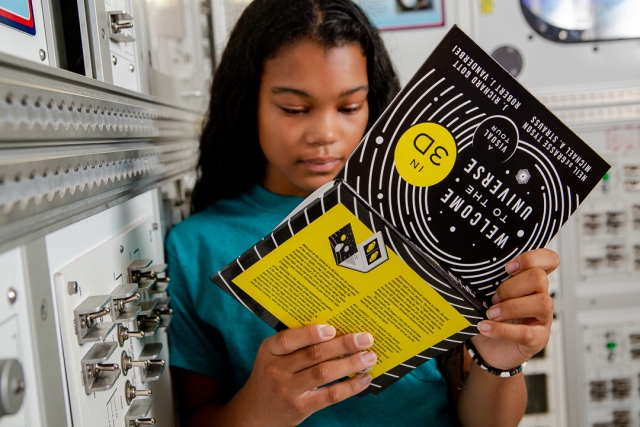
11,386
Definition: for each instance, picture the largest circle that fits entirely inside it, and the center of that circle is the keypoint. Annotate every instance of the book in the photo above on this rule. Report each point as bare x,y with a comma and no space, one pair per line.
462,172
470,166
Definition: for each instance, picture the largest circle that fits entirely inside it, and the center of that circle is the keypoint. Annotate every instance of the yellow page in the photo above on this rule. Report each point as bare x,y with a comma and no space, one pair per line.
300,283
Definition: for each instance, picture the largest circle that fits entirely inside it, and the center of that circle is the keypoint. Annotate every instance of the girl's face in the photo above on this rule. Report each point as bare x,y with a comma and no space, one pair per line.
312,113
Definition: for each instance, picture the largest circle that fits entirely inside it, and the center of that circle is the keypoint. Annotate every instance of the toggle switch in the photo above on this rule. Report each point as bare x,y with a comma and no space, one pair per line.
98,375
164,311
120,297
632,185
139,273
130,392
591,227
127,363
120,20
632,170
593,262
86,316
148,324
162,280
151,353
124,334
137,414
615,260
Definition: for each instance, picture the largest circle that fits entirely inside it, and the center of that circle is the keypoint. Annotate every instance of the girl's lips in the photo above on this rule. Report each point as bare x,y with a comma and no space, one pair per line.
321,164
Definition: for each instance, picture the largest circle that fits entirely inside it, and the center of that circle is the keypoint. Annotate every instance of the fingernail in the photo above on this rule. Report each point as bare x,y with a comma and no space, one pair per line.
368,357
495,298
365,379
327,331
484,326
364,339
493,313
512,267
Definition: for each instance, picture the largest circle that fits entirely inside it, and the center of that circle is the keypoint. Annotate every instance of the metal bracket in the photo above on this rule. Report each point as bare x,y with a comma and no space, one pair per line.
151,352
120,20
97,375
121,296
137,413
85,316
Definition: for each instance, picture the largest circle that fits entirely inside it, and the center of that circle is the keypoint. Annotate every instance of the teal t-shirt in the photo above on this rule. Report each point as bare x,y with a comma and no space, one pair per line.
212,334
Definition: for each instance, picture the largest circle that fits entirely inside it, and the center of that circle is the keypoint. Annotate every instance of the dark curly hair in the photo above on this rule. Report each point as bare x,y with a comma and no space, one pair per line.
231,160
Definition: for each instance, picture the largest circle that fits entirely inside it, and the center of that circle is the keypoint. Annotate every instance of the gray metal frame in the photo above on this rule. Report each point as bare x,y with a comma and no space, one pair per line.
71,146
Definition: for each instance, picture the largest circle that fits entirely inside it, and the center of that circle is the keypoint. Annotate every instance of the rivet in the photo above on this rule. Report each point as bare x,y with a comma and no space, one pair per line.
12,295
43,55
121,249
131,67
114,59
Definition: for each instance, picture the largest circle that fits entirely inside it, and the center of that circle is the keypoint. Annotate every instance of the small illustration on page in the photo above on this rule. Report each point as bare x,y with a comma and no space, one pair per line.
363,257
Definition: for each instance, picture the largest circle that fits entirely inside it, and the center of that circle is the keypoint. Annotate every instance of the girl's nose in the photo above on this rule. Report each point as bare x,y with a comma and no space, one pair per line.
323,129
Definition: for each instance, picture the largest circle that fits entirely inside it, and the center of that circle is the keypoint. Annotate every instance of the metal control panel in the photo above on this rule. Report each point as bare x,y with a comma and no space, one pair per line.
610,387
18,368
113,311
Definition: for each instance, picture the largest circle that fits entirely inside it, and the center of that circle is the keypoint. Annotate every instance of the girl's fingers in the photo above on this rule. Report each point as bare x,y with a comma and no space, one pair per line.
318,353
538,306
326,372
290,340
531,281
545,259
320,398
534,337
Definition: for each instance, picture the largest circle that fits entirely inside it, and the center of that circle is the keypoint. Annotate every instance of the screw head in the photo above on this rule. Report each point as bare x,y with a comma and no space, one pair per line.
121,249
72,288
43,55
114,59
12,295
103,34
131,67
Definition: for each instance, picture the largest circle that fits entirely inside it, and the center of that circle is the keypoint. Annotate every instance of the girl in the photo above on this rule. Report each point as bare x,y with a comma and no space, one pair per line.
298,86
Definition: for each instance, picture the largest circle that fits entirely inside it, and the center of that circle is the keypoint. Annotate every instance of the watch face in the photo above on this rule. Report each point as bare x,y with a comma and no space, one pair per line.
343,243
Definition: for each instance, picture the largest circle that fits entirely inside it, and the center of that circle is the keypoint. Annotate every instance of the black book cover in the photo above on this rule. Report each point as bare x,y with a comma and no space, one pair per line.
469,166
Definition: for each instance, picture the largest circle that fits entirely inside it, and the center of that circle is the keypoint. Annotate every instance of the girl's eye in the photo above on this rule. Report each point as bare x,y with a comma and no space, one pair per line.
351,109
293,111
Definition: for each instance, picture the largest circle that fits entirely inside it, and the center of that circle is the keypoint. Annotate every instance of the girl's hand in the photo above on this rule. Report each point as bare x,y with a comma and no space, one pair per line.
521,314
283,388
